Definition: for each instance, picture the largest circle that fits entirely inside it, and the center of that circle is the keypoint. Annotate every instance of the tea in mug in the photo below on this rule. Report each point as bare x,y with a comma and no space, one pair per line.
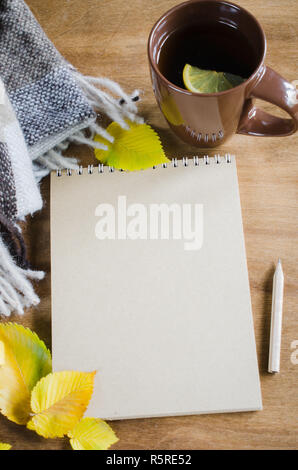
219,48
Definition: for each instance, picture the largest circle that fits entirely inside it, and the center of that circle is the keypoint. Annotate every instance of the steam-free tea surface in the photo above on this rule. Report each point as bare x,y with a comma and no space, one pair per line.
212,47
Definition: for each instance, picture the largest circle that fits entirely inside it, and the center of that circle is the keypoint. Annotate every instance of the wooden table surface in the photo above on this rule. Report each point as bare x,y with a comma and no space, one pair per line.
108,38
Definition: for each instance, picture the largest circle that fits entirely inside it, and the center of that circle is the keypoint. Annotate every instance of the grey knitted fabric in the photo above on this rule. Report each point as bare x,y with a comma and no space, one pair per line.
47,101
19,193
8,201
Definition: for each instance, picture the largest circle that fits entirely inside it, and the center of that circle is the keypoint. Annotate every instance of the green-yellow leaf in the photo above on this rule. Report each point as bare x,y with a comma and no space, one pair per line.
59,401
24,360
4,446
137,148
92,434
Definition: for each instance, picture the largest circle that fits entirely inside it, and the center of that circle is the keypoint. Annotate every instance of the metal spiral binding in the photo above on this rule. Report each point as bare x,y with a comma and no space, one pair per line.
185,161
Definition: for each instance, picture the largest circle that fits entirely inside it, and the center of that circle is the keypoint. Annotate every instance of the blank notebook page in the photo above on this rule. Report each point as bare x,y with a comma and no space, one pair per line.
159,305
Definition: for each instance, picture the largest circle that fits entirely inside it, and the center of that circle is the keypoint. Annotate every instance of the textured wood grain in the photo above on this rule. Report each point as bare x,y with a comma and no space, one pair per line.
108,37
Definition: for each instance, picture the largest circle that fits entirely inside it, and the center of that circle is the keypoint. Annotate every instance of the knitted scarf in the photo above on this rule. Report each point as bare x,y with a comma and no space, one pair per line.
44,105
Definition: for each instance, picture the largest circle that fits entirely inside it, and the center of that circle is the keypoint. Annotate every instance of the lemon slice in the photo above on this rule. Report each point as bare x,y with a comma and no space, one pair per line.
208,81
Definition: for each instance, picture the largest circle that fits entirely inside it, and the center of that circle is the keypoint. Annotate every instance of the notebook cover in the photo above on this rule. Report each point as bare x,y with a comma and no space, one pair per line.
161,306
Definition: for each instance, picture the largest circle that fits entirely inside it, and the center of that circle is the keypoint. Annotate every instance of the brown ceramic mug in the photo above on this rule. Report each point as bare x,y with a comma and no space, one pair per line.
207,120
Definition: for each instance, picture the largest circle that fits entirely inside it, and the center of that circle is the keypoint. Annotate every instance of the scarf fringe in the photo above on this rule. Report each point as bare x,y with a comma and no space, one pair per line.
118,108
16,291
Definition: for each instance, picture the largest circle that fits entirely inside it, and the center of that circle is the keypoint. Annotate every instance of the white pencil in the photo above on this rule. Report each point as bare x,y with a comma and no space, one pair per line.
276,320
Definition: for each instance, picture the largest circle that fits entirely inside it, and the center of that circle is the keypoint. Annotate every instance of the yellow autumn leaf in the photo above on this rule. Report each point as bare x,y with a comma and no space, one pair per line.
4,446
2,354
24,360
92,434
137,148
59,401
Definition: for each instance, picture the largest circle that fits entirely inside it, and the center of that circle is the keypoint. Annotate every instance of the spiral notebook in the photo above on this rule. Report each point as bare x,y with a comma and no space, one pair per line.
150,288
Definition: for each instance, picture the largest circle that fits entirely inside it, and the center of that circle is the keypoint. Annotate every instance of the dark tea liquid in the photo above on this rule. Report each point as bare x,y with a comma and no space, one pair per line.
212,47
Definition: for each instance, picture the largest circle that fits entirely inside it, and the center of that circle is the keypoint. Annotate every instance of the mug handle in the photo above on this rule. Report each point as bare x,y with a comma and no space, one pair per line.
276,90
